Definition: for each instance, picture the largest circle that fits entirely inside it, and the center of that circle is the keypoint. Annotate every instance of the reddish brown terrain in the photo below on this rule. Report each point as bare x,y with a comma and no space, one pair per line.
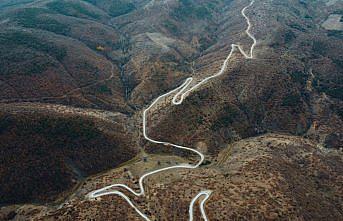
55,147
76,75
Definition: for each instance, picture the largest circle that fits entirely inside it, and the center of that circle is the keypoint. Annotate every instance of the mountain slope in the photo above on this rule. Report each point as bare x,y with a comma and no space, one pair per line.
77,75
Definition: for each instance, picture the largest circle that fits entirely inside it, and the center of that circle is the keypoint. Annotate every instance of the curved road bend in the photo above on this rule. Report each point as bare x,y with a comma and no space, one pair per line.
178,98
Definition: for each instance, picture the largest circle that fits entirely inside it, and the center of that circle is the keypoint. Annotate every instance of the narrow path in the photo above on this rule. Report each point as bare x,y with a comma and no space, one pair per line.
178,98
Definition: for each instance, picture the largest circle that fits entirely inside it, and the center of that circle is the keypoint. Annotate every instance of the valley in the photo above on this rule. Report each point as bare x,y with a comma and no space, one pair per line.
170,110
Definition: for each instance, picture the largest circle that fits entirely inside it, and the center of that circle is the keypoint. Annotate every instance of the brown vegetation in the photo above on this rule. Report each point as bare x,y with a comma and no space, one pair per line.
43,155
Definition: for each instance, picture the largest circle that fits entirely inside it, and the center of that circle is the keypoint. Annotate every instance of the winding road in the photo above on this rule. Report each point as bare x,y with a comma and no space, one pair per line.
180,93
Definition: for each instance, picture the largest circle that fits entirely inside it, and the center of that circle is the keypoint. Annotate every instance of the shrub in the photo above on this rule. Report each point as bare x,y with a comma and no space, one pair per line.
35,18
187,9
299,77
121,7
227,118
170,26
335,92
336,34
103,89
289,36
71,9
320,47
13,39
291,100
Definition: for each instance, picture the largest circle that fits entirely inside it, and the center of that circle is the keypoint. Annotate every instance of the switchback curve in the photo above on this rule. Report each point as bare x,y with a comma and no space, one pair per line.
178,98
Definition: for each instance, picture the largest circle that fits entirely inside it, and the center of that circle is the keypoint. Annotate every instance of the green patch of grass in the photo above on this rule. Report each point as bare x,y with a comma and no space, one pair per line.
320,47
93,2
291,100
4,4
22,53
338,62
188,9
71,9
5,123
340,113
227,118
170,26
121,7
103,89
297,27
200,120
289,36
23,61
16,38
299,77
202,12
59,131
308,17
338,11
336,92
332,87
336,34
37,18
